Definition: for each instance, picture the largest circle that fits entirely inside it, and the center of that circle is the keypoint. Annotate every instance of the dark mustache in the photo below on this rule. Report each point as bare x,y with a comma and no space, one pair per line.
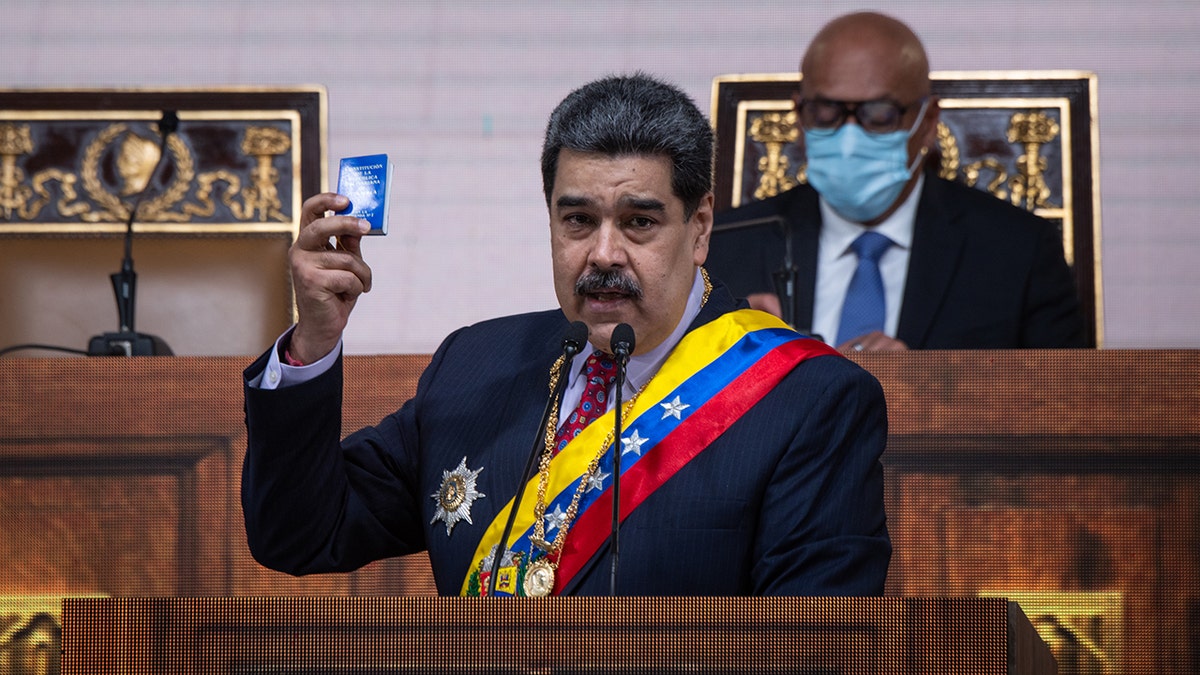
596,281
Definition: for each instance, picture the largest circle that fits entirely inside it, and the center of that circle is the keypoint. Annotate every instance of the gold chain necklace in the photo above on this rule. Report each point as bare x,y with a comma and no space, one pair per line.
540,577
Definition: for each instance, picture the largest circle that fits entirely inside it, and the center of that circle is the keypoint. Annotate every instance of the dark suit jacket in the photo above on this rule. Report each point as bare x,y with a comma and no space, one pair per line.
982,273
789,501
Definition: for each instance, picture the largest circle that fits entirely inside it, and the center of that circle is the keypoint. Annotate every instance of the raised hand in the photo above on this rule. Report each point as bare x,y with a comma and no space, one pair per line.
329,274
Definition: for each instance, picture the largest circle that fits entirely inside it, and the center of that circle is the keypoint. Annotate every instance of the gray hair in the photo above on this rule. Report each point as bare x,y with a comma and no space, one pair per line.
634,115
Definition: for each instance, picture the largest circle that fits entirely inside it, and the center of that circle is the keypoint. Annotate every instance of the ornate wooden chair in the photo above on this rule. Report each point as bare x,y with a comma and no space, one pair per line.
1029,137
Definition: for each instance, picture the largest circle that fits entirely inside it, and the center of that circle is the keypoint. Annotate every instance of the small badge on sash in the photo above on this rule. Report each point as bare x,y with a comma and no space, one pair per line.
456,495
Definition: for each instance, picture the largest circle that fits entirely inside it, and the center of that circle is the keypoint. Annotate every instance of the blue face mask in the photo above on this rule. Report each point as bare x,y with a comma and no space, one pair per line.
860,174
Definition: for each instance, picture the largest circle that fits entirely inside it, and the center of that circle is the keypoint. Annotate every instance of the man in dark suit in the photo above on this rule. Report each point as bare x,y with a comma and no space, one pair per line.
954,268
749,455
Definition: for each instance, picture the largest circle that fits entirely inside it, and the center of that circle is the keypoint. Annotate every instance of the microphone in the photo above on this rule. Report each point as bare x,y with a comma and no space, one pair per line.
622,346
128,342
572,343
748,222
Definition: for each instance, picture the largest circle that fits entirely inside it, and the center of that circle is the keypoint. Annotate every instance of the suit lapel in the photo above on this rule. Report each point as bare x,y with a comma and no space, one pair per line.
936,253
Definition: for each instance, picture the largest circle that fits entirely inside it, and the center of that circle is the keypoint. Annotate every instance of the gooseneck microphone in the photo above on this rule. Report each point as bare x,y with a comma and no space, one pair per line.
784,278
128,342
622,346
572,343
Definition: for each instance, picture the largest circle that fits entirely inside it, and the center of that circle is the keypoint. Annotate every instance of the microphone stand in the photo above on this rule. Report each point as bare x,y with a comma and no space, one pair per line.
622,346
572,344
128,342
785,278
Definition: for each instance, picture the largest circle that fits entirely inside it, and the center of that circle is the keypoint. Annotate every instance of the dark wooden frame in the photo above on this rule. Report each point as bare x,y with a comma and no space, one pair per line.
141,109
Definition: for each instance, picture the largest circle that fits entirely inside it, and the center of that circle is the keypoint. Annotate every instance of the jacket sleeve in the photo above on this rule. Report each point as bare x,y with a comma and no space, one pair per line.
1052,316
315,503
823,530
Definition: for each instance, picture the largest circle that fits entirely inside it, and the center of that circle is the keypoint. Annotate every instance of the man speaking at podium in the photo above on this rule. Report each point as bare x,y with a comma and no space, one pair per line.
749,454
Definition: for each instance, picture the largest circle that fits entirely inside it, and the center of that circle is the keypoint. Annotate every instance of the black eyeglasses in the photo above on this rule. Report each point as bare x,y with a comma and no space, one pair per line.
880,116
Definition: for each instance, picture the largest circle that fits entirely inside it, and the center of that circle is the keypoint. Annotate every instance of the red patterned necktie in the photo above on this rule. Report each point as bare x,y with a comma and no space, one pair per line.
601,372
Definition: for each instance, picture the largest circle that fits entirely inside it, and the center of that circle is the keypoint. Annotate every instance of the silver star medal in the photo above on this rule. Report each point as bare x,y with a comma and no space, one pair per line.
456,495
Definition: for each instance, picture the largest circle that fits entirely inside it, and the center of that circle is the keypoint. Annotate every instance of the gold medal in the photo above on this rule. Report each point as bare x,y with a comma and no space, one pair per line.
539,579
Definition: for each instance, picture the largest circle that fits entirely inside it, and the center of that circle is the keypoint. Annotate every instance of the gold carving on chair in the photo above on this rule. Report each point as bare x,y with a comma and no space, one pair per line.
777,131
262,195
1033,130
15,196
995,186
948,148
774,130
136,162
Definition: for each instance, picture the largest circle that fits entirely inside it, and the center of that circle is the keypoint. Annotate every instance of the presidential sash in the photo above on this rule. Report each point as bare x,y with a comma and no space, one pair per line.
714,376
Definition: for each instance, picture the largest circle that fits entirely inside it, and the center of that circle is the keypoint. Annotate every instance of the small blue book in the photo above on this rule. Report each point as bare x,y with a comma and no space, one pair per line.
366,181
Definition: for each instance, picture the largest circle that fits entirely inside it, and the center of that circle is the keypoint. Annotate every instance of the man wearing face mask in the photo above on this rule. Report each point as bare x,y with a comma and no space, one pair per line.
887,255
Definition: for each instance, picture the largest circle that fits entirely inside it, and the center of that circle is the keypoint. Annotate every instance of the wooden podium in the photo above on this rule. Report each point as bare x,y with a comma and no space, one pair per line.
1066,480
694,636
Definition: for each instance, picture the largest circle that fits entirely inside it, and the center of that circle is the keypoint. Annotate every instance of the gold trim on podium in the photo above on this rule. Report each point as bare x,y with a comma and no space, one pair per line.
1084,630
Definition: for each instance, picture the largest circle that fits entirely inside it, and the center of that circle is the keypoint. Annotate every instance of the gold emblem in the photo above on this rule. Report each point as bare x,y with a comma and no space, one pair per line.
456,495
136,159
134,154
539,579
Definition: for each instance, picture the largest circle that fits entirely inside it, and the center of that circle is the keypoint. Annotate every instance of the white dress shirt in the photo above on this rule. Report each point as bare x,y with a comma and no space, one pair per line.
836,263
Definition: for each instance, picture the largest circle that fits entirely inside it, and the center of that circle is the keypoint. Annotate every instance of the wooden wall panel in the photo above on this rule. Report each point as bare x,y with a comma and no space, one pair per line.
1071,479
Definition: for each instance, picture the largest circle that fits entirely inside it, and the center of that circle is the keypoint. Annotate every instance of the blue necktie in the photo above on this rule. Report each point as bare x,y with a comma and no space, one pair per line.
864,309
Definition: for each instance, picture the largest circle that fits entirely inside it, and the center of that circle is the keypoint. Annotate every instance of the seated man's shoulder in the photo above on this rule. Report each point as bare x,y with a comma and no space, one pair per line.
982,209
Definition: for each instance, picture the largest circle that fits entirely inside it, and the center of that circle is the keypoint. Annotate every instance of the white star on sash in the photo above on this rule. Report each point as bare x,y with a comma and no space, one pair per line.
674,408
556,519
596,481
633,444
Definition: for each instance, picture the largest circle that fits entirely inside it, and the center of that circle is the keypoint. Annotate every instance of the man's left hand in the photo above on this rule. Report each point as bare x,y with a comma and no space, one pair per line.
874,341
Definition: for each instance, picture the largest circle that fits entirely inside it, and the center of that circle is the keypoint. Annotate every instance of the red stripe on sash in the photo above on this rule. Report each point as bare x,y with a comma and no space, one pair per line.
593,527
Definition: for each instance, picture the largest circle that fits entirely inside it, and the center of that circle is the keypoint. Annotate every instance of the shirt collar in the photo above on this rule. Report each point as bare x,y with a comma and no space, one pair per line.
837,233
